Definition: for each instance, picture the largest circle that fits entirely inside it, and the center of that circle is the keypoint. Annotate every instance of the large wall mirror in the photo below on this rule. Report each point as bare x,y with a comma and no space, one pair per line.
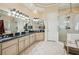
13,24
36,24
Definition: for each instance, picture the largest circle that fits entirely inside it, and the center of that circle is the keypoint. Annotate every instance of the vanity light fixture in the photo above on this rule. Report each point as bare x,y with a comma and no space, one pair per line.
20,14
9,13
16,13
23,16
36,19
13,12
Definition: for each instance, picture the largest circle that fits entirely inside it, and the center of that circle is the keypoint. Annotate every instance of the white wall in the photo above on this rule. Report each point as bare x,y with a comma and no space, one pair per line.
52,26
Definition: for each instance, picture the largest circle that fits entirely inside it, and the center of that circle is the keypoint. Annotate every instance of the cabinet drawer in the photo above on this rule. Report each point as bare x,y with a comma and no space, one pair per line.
9,43
22,38
39,34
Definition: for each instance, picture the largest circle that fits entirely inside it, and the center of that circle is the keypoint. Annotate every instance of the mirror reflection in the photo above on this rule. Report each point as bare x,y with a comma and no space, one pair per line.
15,21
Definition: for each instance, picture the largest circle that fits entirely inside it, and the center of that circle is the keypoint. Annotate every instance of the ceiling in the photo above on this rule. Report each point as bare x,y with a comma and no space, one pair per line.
38,9
62,5
44,7
67,5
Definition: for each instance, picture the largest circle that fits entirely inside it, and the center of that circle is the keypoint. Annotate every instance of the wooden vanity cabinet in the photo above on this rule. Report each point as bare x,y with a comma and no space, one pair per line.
0,48
32,38
15,46
10,47
27,41
21,44
31,41
39,36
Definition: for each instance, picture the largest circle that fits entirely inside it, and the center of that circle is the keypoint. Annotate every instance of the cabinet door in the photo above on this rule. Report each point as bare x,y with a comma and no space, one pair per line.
21,45
39,36
9,43
26,41
12,50
31,40
0,48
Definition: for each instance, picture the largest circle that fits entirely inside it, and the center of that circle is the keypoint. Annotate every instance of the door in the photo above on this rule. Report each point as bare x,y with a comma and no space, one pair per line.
52,27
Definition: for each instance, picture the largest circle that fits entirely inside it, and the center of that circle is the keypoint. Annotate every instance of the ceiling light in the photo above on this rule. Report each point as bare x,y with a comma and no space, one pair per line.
35,11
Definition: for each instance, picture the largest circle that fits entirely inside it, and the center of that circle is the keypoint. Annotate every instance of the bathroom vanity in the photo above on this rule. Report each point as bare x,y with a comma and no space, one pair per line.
19,33
17,44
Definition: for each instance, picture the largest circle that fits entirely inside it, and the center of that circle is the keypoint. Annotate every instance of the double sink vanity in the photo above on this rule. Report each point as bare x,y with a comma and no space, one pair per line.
19,32
12,45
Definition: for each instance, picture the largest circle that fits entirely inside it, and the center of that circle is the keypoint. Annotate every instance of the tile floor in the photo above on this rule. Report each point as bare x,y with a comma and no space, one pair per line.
45,48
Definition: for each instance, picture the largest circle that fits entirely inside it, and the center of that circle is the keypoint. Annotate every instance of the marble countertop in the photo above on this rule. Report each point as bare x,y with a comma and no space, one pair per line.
15,37
11,38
